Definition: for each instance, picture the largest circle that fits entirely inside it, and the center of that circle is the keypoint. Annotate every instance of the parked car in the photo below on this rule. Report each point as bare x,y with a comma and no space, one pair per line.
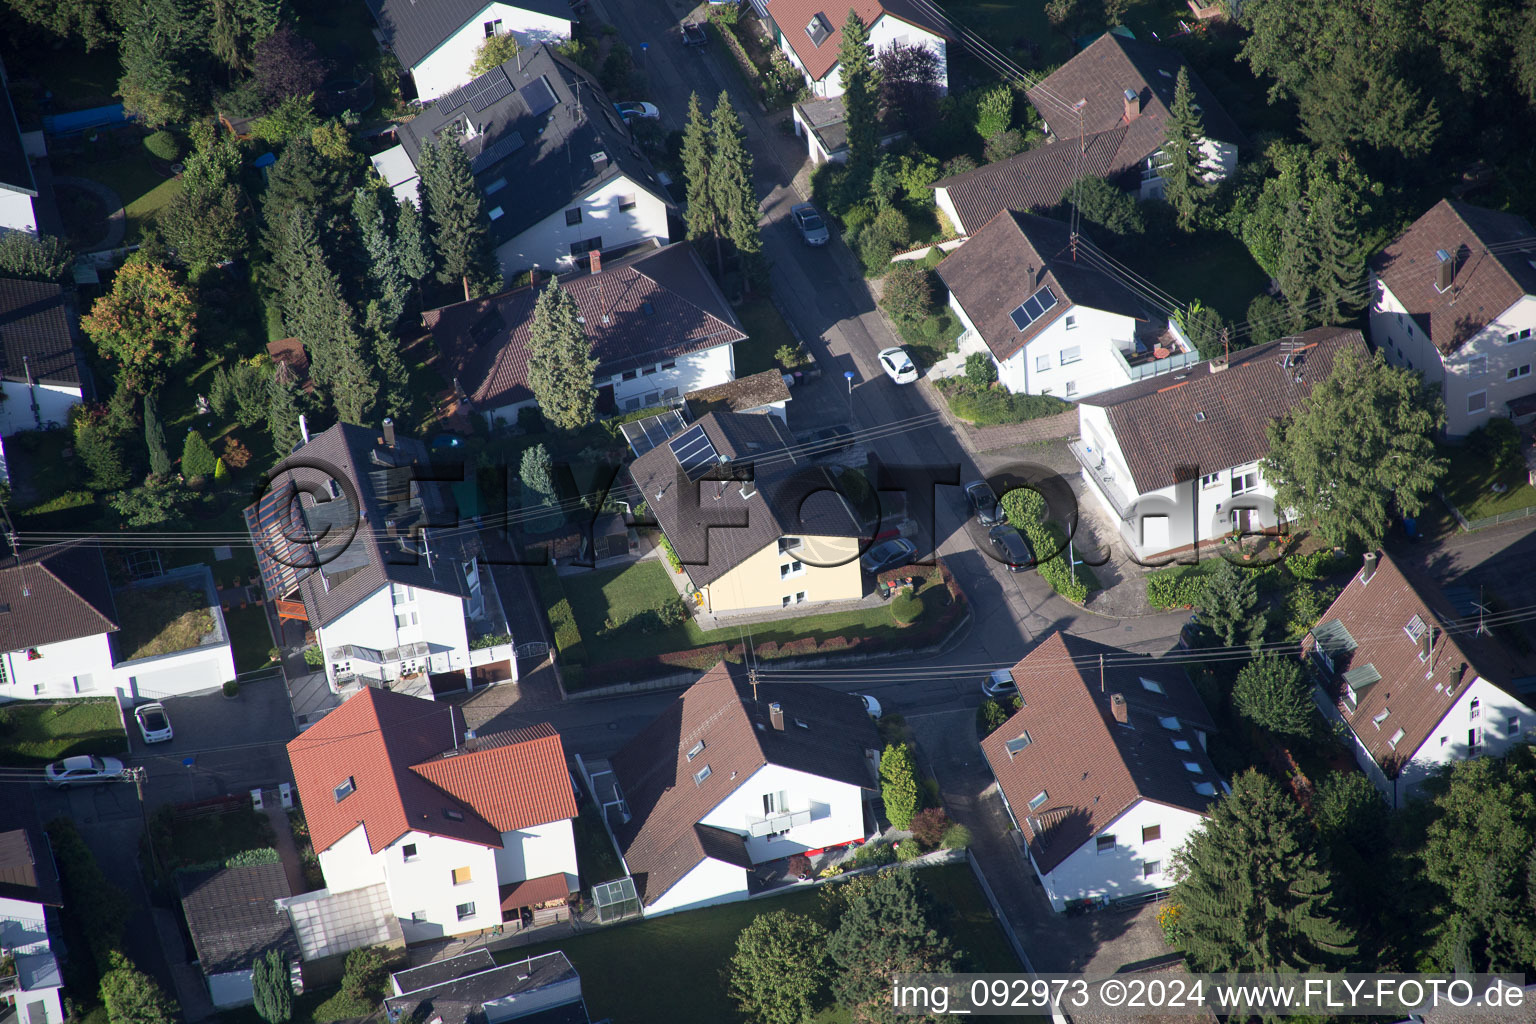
898,365
999,683
154,723
694,34
83,770
812,228
1011,547
887,555
871,705
827,440
631,110
983,503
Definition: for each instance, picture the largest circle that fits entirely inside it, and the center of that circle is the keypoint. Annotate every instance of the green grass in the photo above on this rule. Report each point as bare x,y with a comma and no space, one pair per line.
1467,481
36,732
931,339
143,190
250,637
1211,266
766,332
596,860
162,620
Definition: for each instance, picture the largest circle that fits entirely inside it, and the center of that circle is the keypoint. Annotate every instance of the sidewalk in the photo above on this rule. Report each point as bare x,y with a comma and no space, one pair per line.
287,850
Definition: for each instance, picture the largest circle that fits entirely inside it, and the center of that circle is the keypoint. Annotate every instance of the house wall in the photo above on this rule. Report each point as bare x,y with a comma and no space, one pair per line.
1037,368
232,988
349,864
758,582
711,882
172,675
837,809
942,198
536,852
1219,158
17,212
651,385
70,668
1120,871
438,621
547,245
447,67
53,404
422,891
883,34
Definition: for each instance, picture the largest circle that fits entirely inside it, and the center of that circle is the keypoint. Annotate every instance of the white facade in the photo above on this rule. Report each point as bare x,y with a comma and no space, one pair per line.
447,67
1218,158
391,617
53,404
17,212
71,668
620,213
813,812
710,882
537,852
1081,352
1494,366
175,674
654,384
885,33
35,986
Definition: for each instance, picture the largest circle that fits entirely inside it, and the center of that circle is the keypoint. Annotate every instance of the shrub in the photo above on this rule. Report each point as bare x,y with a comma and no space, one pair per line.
247,858
929,826
1025,510
994,112
887,234
236,454
874,855
956,837
1176,586
231,688
909,850
162,145
197,459
1316,565
898,784
908,292
101,908
958,165
992,406
364,975
1003,145
1496,444
906,608
314,657
672,560
990,716
271,987
980,370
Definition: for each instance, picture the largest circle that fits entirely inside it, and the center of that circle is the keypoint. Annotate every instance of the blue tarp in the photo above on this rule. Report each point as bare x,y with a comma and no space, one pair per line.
83,120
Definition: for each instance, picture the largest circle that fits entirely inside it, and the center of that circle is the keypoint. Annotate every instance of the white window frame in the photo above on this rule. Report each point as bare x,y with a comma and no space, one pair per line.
1245,481
1071,389
1069,355
1210,480
789,570
1042,363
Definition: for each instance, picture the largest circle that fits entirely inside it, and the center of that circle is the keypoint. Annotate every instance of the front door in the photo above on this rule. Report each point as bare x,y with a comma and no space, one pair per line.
37,1012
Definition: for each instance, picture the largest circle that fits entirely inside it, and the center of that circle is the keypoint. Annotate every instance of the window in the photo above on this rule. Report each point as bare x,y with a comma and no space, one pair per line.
1517,337
1514,725
631,374
346,789
1204,788
408,851
775,803
1397,738
1210,480
404,619
1518,372
670,364
453,814
789,569
818,29
785,600
1475,709
461,876
1071,323
495,186
1152,685
627,202
466,911
586,245
788,544
493,28
1018,743
1106,844
700,775
1042,363
1170,723
695,750
1477,366
1477,401
1415,628
418,916
1182,745
1039,799
1474,742
647,371
1070,355
1151,868
400,594
1244,481
1151,833
1071,388
799,597
573,216
1382,717
495,213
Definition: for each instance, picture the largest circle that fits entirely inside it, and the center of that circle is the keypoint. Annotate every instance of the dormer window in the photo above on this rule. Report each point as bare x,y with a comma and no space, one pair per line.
819,29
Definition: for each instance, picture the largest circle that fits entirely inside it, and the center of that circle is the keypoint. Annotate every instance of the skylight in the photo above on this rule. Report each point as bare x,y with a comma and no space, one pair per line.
1018,743
1415,628
1182,745
1397,738
495,213
696,750
1170,723
1378,719
700,775
1033,308
453,814
495,186
1152,684
346,789
1204,788
1039,799
1192,766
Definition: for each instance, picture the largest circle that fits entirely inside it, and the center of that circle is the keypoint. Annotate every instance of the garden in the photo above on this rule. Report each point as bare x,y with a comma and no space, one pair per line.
223,832
37,732
1486,475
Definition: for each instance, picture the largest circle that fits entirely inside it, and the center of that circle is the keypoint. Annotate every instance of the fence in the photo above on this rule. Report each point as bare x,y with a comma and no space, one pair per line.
1470,525
997,912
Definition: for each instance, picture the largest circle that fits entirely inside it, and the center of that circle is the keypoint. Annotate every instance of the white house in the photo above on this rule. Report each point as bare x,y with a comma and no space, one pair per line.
29,892
64,632
1053,325
1174,460
810,32
1415,686
1103,769
437,42
658,324
1455,299
559,173
41,371
18,185
233,919
727,778
355,536
466,832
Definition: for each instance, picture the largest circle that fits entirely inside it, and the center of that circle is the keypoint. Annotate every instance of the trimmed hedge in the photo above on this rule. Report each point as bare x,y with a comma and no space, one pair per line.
995,406
1025,510
1176,586
99,906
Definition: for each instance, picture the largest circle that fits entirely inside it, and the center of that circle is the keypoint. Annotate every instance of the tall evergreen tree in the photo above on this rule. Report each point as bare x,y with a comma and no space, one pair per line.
271,987
386,356
1183,164
1297,271
283,415
154,439
1230,604
236,26
861,103
386,271
451,202
1272,692
1252,892
414,246
703,218
560,363
161,47
884,929
353,389
730,187
1340,267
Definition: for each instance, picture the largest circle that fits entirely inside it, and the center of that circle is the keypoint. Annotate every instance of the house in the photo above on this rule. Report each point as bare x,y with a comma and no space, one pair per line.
1054,325
41,370
751,521
437,42
1174,462
558,171
823,123
1417,686
760,392
472,989
1126,89
810,32
658,324
234,918
64,632
1454,297
730,776
18,185
30,894
357,535
466,832
1104,770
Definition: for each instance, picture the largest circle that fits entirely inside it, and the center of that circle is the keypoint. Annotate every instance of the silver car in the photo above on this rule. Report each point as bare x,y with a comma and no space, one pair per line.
83,770
999,683
812,228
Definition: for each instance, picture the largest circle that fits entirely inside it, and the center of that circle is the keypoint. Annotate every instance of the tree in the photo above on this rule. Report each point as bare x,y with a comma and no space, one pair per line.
537,472
884,929
1267,320
994,112
780,969
1340,266
1230,604
412,243
560,363
386,271
1297,270
271,987
99,448
861,103
133,997
1272,692
898,784
238,26
159,53
1525,55
286,64
1301,176
91,21
702,217
493,53
1252,893
30,257
1182,164
1360,441
386,356
1203,326
731,191
305,177
292,117
364,973
154,439
283,416
145,324
909,84
239,392
205,228
1103,205
452,206
197,458
907,292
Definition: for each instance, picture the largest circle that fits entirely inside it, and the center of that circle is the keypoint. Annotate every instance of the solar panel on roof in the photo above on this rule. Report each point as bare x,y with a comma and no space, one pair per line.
449,102
497,152
1032,308
695,452
645,434
538,95
493,87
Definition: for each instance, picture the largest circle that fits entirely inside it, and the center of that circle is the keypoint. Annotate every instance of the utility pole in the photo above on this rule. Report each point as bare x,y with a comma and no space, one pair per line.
752,678
138,775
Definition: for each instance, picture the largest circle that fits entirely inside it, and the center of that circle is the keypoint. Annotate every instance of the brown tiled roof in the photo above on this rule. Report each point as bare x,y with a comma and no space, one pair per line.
1012,258
740,395
1091,768
1485,284
1033,180
36,333
232,915
1376,615
57,593
534,891
792,17
661,842
391,746
1178,426
26,868
636,311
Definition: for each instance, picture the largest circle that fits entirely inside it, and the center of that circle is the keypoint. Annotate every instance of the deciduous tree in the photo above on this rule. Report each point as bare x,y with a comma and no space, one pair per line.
909,84
1103,205
133,997
287,64
91,21
779,972
493,53
145,324
239,392
560,363
30,257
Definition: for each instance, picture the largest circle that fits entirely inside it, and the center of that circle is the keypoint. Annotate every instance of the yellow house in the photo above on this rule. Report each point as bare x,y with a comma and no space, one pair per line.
755,525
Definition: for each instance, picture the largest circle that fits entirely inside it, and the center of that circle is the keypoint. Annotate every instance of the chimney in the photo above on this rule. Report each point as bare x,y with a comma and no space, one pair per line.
533,277
1118,706
1132,105
597,261
1446,272
303,428
389,432
776,715
1370,568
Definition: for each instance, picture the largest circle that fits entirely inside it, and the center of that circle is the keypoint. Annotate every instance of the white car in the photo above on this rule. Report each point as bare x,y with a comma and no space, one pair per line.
637,109
82,770
898,365
154,723
871,705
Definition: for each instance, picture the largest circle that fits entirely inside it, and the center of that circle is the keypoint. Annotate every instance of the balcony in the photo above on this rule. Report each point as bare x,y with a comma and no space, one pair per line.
1103,476
1143,364
777,823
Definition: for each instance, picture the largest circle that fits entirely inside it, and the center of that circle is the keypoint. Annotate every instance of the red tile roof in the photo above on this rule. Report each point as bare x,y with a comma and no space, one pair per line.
534,891
792,17
513,780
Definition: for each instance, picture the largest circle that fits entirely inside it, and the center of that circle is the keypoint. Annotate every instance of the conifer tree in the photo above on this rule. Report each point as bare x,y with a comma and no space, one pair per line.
1340,267
1230,604
884,929
560,363
730,187
451,202
1183,164
703,218
353,389
898,784
386,274
861,104
414,246
283,415
154,439
271,987
386,356
197,459
1272,692
1297,272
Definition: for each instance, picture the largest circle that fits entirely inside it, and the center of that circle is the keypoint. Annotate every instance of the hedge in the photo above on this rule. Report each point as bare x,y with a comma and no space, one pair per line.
1176,586
1318,564
997,405
99,906
1025,510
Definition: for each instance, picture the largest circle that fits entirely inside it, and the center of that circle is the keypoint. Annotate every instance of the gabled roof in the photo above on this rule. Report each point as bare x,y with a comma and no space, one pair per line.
1013,258
538,121
56,593
636,311
786,496
794,16
1485,283
27,871
414,28
382,760
662,841
1218,419
744,394
1377,616
36,335
15,168
1035,179
1091,768
233,917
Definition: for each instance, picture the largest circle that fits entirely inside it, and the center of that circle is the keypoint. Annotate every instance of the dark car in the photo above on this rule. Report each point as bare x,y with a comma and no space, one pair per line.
1011,547
983,503
694,34
888,554
827,441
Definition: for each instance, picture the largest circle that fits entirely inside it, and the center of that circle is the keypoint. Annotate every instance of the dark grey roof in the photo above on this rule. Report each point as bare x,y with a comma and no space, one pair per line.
544,988
542,150
439,971
27,871
233,917
414,28
57,593
787,495
15,169
36,334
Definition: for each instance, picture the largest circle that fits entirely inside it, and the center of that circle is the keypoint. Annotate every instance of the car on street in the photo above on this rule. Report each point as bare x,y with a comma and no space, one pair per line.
154,723
1010,546
983,503
827,441
888,554
631,110
898,365
83,770
999,683
694,34
812,228
871,705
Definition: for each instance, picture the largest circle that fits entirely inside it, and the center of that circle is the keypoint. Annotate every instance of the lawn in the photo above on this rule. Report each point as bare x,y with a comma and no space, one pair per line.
766,333
161,620
1467,482
143,190
36,732
208,839
250,637
1211,266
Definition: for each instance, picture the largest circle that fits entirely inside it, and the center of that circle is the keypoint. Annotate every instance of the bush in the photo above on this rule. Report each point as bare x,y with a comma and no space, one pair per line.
1316,565
197,459
990,716
980,370
874,855
364,975
562,619
994,112
247,858
909,850
908,292
906,607
887,234
929,826
958,165
314,657
1176,586
1003,145
956,837
162,145
898,784
993,406
675,562
1025,510
100,907
231,688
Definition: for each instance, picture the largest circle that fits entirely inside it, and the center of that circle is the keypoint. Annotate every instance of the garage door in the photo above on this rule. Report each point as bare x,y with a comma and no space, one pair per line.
153,684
